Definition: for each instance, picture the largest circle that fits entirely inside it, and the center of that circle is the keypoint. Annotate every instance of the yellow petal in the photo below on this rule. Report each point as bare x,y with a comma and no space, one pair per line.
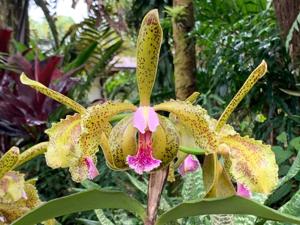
195,118
165,141
258,73
225,130
252,163
217,181
11,187
9,160
12,211
104,144
32,152
122,141
148,47
52,94
63,149
95,121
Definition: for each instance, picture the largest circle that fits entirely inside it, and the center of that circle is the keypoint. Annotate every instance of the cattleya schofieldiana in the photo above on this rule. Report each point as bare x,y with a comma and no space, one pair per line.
17,196
145,141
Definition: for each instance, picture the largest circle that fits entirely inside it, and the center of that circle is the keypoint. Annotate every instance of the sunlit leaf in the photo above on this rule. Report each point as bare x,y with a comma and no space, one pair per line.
83,201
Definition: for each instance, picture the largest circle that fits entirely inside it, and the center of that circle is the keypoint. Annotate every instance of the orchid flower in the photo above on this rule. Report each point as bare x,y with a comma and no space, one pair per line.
17,196
145,141
248,161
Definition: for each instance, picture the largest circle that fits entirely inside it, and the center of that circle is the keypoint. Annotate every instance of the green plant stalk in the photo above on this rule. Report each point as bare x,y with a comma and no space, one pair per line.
194,151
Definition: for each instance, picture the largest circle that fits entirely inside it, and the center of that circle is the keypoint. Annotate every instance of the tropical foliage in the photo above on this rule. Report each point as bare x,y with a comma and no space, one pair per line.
130,154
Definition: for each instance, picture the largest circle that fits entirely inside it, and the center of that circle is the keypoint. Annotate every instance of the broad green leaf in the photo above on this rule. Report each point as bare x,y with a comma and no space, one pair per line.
230,205
83,201
292,207
247,219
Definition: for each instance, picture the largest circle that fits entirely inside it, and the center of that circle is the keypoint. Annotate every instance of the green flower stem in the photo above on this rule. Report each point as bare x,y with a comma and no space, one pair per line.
194,151
117,118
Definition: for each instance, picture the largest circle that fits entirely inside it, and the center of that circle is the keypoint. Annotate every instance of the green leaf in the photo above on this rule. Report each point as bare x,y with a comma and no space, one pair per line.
292,207
193,188
295,143
88,222
290,92
102,217
295,168
280,154
143,187
282,138
82,57
230,205
83,201
194,151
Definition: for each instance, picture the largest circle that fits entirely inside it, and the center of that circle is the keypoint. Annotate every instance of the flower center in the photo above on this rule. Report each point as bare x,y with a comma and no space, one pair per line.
143,161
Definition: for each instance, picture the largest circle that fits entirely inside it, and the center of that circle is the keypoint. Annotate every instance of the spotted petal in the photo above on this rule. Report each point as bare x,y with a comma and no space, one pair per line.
148,47
122,140
196,119
257,74
96,121
63,150
12,187
252,163
12,211
9,160
165,141
52,94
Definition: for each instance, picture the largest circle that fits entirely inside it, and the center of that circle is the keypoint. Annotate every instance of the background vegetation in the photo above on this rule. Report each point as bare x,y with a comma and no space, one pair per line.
230,37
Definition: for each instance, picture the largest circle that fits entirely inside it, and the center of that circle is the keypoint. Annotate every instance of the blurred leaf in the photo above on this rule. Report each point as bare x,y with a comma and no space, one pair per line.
295,143
290,92
281,192
282,138
281,155
295,168
292,207
102,218
82,57
88,222
86,200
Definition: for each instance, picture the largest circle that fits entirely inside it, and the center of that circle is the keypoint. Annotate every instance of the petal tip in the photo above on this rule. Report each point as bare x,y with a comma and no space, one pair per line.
92,169
243,191
189,165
